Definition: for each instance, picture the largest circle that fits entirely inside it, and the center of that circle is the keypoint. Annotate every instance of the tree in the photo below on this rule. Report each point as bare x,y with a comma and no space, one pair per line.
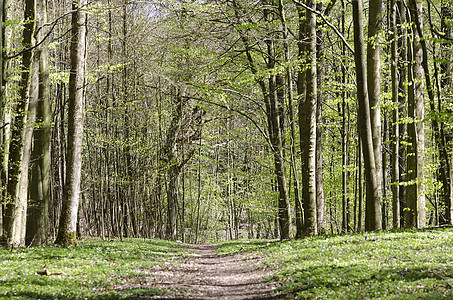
68,220
374,94
373,210
292,123
415,216
395,79
308,125
21,135
38,218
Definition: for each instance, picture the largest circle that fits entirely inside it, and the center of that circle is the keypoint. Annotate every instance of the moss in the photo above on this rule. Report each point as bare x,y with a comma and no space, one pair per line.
67,239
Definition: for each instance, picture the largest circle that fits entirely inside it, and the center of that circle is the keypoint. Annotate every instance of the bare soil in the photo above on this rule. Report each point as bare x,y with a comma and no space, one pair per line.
206,275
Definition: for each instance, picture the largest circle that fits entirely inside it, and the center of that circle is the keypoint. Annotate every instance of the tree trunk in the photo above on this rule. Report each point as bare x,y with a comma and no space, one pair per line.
277,140
402,100
373,83
289,78
395,117
360,185
373,201
445,85
68,219
37,224
16,210
308,127
321,207
2,116
415,215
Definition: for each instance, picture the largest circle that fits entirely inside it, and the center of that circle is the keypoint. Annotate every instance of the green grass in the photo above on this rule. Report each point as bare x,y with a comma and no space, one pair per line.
385,265
93,270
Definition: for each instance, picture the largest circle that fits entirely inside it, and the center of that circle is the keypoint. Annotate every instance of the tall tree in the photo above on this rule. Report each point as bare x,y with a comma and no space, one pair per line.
374,91
401,28
308,129
290,93
446,85
276,133
2,116
373,201
38,218
67,234
17,186
415,214
395,115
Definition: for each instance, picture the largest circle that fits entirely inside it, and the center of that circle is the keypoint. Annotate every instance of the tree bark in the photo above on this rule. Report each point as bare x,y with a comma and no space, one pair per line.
402,100
3,180
16,209
373,83
308,131
373,201
445,85
68,219
38,219
289,80
395,169
415,215
321,207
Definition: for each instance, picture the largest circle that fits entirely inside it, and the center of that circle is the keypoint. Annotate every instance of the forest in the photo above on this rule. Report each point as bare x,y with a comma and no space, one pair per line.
209,120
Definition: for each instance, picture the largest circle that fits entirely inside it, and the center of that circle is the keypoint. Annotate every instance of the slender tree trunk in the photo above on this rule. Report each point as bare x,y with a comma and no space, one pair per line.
344,132
68,220
321,207
37,225
415,215
402,100
19,148
395,117
345,162
444,159
374,91
360,183
373,201
289,78
277,139
385,208
2,116
308,129
445,85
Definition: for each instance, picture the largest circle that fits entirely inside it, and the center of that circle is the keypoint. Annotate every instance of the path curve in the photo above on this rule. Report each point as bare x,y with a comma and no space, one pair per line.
206,275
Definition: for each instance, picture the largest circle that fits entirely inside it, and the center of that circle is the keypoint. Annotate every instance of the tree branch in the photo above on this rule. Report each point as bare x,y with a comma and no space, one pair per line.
327,22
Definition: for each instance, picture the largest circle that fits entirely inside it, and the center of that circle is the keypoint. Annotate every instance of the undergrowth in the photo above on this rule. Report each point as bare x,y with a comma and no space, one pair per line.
386,265
94,269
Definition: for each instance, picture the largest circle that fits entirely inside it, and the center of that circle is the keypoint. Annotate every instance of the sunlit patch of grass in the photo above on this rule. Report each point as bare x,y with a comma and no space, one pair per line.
386,265
235,246
94,269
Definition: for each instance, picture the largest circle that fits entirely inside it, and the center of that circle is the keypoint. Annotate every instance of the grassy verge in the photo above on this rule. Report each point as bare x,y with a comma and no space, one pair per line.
385,265
93,270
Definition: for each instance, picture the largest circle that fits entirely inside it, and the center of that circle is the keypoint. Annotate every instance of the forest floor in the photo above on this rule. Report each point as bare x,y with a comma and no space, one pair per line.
204,274
401,264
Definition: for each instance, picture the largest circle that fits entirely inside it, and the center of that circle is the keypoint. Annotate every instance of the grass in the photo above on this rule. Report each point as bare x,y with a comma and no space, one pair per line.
93,270
384,265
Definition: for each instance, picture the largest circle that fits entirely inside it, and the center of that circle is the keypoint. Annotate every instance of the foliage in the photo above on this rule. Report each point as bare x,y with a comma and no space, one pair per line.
386,265
94,269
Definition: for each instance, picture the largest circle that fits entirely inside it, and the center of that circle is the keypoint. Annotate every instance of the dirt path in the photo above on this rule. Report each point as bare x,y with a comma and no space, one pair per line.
206,275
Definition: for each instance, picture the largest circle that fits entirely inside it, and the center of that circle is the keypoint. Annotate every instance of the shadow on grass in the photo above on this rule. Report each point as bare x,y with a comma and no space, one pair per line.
134,293
360,282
